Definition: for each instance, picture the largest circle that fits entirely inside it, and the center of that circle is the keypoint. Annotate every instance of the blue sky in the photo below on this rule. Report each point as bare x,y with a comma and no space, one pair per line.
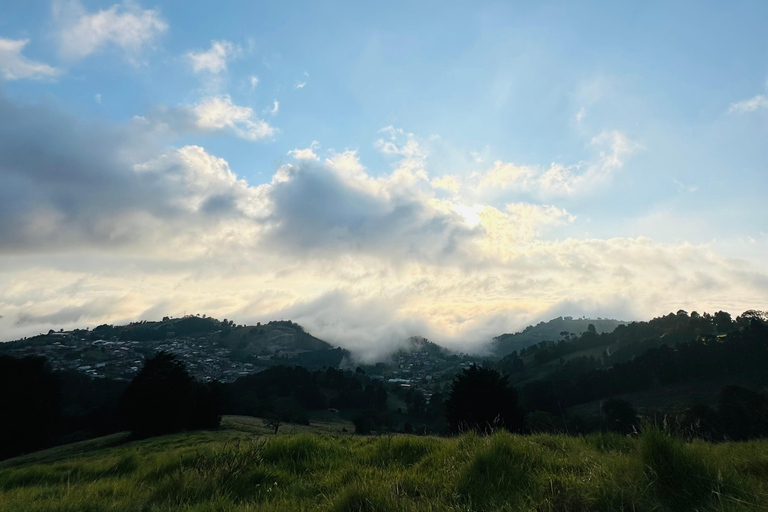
515,131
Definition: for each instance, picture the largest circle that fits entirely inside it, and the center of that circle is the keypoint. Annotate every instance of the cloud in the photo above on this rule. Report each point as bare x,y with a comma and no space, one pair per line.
69,314
758,102
212,114
449,183
326,210
103,186
215,60
127,27
110,223
560,180
409,153
275,107
307,153
218,113
300,84
254,81
581,114
14,66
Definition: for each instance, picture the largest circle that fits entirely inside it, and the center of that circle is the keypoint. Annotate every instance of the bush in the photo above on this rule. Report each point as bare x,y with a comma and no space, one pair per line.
482,400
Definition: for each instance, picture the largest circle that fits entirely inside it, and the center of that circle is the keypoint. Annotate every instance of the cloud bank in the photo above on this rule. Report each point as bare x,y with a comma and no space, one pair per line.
110,223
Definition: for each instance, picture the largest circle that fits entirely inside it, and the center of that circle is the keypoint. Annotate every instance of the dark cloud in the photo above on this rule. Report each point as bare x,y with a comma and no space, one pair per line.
71,314
69,184
66,183
318,211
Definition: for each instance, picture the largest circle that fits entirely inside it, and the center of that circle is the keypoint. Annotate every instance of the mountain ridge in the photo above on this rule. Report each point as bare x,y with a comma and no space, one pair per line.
551,330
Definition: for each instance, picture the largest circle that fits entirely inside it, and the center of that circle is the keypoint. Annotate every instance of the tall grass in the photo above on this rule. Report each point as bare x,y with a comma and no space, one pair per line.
502,472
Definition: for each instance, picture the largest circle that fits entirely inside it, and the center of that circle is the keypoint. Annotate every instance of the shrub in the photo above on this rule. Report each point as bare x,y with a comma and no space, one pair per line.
482,400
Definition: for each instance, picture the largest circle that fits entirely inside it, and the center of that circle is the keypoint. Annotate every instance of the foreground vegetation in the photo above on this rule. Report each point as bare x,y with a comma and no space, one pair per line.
240,468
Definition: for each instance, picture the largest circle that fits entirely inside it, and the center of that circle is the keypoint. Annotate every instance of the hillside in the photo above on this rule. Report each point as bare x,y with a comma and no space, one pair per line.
423,345
550,331
240,468
278,337
210,348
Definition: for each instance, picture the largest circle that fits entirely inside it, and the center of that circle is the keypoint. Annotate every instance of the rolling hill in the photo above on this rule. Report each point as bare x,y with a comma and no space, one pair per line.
550,331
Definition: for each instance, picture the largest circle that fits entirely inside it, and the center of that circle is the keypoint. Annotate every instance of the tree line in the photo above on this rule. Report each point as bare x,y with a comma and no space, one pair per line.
42,408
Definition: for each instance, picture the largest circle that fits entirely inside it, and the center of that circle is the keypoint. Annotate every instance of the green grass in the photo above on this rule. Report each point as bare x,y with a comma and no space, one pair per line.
241,468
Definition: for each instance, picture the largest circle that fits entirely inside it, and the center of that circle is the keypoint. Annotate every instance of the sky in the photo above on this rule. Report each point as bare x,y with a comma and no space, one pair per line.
374,171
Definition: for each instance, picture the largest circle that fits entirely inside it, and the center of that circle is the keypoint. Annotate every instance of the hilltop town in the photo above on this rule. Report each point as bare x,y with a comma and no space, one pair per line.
223,351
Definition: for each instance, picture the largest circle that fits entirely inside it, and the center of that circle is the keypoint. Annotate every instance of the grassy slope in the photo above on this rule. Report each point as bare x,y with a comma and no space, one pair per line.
239,468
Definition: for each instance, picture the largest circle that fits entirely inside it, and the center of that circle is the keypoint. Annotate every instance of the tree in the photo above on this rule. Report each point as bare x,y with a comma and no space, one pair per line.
163,398
365,422
273,422
30,405
743,413
620,416
723,322
416,403
206,405
482,400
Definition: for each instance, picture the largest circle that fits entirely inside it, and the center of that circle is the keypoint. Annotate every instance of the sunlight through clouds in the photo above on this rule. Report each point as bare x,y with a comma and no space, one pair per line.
183,230
452,173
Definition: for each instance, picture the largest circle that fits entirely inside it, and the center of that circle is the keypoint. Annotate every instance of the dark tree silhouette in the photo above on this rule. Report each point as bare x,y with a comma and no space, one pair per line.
723,322
620,416
30,399
206,406
273,422
482,400
743,413
163,398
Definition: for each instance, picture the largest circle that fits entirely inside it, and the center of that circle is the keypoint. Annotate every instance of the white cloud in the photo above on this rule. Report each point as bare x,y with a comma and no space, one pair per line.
561,180
275,107
215,60
218,113
300,84
97,97
307,153
399,142
14,66
477,156
759,102
581,114
410,153
448,182
254,81
128,27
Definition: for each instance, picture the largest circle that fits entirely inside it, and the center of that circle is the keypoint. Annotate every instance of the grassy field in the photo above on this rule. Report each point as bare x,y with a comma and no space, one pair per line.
320,467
